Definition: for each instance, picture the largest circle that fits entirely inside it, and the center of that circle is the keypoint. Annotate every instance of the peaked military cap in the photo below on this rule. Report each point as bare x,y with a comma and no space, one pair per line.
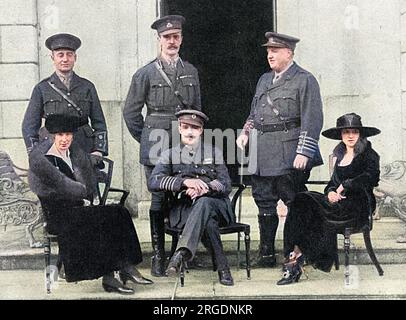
56,123
191,116
167,24
279,40
63,41
349,121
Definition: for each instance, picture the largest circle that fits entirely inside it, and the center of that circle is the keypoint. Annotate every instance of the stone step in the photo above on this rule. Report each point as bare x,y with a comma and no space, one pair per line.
204,285
17,255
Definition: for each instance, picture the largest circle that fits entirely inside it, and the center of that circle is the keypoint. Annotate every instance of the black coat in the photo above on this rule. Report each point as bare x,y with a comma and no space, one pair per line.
149,88
92,240
45,101
312,222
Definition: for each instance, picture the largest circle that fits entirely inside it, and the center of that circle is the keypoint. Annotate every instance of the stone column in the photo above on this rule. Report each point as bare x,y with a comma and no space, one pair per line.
18,70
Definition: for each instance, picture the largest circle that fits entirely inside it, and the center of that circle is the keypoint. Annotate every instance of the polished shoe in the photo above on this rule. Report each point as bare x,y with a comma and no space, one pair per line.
177,262
133,275
292,270
225,277
113,285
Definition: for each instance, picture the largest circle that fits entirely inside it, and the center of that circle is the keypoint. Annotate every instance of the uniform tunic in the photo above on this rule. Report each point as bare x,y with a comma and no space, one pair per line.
292,105
205,214
46,101
149,88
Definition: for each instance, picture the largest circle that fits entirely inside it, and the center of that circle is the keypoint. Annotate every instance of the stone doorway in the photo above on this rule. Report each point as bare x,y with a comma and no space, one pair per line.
222,39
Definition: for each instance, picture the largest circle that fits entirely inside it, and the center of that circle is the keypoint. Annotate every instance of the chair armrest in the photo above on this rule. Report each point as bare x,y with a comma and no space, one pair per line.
124,196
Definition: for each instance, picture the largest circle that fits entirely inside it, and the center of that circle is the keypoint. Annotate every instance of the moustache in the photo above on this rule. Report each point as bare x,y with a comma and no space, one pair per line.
173,47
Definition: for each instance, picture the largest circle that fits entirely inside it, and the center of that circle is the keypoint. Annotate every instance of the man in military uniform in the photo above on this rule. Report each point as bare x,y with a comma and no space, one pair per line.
285,120
196,173
164,85
65,93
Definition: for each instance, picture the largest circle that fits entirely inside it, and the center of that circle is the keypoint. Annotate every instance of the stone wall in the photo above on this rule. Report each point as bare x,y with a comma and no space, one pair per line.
353,48
356,49
403,70
19,71
116,41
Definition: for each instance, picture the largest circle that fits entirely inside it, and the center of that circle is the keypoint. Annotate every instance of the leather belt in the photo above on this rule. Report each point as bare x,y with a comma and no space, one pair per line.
281,126
162,115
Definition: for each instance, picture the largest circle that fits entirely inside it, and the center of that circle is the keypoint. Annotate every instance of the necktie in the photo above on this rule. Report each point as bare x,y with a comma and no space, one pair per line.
276,78
172,65
65,81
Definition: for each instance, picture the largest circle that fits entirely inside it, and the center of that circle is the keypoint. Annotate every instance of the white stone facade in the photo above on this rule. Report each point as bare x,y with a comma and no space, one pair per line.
356,49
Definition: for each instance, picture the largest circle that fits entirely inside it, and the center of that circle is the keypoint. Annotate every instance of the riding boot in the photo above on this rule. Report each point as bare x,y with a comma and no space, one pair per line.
268,225
158,243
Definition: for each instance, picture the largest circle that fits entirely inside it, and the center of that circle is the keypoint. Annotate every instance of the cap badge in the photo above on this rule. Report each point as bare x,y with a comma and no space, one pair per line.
169,25
193,116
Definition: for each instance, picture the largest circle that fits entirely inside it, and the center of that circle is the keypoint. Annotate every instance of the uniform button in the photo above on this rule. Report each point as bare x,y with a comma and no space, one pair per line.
263,104
262,119
52,100
100,136
69,105
68,93
100,145
284,97
211,170
179,171
160,85
197,176
195,165
149,127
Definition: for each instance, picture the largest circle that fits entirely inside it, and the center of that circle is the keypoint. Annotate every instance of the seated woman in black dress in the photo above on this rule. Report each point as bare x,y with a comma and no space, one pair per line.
311,223
93,241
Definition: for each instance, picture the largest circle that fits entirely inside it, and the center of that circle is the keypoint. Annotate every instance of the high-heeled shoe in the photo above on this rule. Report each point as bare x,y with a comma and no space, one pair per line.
111,284
133,275
292,270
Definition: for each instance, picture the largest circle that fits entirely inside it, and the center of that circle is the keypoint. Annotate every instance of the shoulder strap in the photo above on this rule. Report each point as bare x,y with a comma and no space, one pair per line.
170,84
74,105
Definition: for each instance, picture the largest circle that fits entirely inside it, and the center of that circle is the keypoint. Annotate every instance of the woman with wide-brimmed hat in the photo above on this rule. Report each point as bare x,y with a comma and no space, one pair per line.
93,241
310,225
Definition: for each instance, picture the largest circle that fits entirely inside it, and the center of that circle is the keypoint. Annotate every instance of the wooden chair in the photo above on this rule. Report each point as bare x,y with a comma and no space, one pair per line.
104,177
236,227
348,230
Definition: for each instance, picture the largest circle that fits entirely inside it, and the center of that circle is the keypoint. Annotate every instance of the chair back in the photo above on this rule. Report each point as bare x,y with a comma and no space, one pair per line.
104,175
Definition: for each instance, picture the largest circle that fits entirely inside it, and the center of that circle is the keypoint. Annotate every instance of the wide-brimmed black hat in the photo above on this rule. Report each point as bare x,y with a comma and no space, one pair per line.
192,116
63,41
57,123
349,121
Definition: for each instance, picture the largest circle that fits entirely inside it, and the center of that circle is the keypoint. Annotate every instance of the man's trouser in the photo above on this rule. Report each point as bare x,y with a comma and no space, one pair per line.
156,221
266,192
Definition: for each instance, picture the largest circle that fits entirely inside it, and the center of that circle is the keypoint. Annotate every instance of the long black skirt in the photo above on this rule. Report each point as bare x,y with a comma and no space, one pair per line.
312,224
96,240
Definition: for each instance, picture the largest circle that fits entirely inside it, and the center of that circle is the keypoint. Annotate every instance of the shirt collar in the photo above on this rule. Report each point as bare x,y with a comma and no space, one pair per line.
279,74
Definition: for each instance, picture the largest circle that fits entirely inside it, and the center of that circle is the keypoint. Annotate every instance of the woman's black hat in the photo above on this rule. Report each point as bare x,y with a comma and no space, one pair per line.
349,121
56,123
